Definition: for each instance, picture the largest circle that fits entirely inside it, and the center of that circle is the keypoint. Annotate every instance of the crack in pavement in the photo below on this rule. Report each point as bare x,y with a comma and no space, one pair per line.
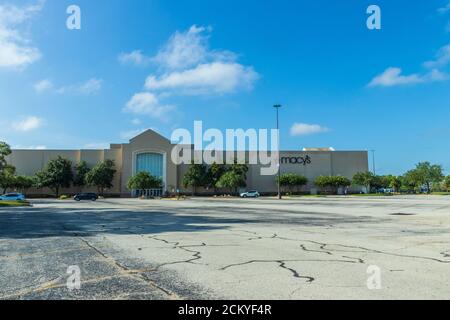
367,250
329,253
137,274
176,245
55,284
33,288
295,273
325,246
318,251
197,255
283,262
123,271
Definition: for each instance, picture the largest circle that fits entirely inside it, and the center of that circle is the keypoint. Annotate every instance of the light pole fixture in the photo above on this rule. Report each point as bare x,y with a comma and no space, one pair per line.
277,107
373,162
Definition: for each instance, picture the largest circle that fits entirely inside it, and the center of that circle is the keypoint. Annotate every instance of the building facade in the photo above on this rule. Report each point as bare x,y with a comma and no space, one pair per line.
152,153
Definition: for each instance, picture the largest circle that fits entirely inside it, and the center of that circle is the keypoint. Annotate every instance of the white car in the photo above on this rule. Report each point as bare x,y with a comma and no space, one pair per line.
250,194
12,197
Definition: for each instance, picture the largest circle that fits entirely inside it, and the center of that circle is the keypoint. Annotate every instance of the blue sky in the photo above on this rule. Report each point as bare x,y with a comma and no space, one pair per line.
164,64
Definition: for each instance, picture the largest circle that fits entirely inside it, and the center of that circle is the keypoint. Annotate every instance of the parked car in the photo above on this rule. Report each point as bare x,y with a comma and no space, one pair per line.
12,197
385,190
250,194
86,196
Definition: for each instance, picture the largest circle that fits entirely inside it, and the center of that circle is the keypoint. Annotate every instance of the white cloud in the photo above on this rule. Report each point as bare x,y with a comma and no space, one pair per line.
213,78
136,122
442,58
393,77
146,103
43,85
20,147
187,66
193,69
15,49
28,124
184,49
304,129
435,75
444,9
89,87
136,57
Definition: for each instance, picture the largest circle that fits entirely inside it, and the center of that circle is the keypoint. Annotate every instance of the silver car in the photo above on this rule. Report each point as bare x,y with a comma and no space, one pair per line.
250,194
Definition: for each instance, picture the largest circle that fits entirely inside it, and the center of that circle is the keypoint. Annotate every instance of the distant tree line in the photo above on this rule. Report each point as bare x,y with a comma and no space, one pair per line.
425,177
61,173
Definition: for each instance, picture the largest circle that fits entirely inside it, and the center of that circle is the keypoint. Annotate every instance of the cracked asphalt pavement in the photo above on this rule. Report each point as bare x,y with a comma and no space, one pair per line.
305,248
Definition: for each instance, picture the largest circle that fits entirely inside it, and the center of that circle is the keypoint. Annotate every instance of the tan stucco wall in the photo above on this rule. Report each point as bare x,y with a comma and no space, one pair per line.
28,162
345,163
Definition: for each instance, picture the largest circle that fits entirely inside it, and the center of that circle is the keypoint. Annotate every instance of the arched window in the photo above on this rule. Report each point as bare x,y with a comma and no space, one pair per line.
152,163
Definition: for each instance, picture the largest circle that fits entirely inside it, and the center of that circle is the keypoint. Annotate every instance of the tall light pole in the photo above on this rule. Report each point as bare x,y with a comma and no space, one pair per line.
277,107
373,162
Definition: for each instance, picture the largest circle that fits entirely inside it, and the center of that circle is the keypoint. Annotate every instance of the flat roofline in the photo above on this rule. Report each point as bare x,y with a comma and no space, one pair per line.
59,150
282,151
330,151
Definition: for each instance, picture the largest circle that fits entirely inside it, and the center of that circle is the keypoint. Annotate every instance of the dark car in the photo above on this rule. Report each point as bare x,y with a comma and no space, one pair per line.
86,196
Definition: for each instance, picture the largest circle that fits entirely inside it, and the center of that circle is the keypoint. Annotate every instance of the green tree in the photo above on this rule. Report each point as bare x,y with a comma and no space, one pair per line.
239,169
7,178
195,177
144,181
213,174
5,151
57,174
382,182
231,180
322,182
332,183
285,181
81,170
299,181
24,183
410,181
340,182
366,179
292,181
102,176
427,174
395,183
447,183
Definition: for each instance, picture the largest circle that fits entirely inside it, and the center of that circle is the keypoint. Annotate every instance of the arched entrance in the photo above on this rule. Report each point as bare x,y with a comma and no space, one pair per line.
153,163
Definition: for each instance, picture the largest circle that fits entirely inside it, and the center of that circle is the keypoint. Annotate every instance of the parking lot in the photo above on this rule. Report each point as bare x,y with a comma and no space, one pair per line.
303,248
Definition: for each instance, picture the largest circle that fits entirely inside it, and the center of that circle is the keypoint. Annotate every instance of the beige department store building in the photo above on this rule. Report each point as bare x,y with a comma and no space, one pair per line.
151,152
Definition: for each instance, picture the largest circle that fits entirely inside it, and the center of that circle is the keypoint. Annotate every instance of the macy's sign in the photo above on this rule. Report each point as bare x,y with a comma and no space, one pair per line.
296,160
